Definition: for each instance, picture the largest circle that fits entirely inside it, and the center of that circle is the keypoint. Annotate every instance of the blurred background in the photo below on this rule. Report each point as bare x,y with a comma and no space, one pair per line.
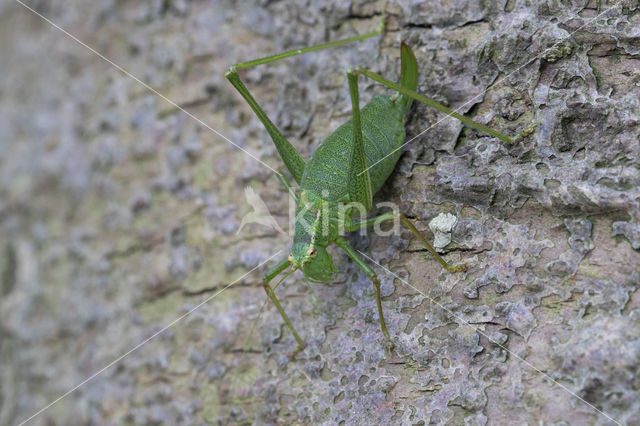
119,214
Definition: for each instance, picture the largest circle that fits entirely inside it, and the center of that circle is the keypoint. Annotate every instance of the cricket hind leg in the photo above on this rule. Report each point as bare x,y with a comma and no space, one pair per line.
430,102
291,157
294,52
354,226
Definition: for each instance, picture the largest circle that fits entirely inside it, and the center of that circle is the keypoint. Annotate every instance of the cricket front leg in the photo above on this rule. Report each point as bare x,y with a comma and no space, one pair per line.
354,226
274,272
374,279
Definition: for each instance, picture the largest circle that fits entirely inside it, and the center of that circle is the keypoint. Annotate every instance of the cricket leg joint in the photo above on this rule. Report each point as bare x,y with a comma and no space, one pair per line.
232,72
356,71
427,244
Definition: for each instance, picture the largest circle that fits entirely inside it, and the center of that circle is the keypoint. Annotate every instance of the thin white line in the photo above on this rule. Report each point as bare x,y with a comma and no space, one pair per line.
139,345
487,89
124,71
477,330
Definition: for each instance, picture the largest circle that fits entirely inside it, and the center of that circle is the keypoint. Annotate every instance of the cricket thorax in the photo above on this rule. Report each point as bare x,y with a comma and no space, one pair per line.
316,227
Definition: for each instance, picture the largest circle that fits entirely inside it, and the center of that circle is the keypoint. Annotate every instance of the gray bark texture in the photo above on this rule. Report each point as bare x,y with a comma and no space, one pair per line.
119,215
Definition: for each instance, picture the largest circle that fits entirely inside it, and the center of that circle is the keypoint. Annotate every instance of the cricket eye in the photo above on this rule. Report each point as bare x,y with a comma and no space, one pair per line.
312,252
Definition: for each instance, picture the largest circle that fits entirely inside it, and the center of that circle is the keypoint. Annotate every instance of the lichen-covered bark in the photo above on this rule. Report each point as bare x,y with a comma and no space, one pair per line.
119,213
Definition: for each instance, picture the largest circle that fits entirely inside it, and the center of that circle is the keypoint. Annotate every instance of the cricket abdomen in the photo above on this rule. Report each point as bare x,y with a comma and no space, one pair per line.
383,132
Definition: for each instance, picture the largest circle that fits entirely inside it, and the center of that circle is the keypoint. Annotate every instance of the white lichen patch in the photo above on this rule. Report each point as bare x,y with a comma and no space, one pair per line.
441,226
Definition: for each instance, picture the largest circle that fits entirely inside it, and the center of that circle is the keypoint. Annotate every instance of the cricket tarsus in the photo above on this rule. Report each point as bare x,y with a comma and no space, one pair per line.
531,128
348,168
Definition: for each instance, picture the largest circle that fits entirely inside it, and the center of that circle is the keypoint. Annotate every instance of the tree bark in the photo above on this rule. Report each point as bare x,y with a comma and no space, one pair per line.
128,291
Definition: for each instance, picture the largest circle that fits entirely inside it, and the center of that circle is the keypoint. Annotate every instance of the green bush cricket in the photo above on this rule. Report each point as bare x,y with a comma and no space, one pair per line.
345,171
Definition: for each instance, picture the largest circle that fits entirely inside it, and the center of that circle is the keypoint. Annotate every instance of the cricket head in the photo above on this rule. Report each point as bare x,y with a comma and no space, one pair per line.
310,239
314,261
